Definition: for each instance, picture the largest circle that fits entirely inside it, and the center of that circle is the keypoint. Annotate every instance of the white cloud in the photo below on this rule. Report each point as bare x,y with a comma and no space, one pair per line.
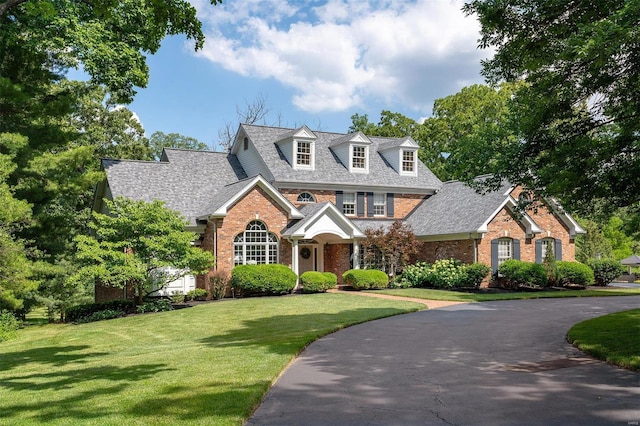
340,54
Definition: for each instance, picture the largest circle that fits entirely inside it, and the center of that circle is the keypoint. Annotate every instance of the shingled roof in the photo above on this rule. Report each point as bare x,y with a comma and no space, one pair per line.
329,170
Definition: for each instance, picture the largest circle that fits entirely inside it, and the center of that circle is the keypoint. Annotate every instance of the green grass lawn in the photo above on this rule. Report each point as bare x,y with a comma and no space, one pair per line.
210,364
614,338
458,296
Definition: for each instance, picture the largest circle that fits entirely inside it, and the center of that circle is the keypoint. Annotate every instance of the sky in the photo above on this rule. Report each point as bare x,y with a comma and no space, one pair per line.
314,62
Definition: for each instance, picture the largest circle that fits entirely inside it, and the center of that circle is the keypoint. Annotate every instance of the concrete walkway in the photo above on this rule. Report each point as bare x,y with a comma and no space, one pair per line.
491,363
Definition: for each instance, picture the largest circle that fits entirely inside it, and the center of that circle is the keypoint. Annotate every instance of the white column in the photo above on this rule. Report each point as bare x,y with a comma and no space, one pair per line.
356,254
321,256
294,260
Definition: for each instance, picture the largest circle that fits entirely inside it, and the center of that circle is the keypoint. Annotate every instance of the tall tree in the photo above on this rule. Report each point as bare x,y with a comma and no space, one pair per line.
578,111
160,140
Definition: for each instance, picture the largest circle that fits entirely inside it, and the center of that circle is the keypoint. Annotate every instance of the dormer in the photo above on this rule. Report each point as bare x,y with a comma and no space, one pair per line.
353,151
299,148
402,155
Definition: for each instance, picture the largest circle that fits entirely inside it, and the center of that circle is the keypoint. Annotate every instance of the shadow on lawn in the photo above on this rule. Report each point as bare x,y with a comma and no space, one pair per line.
55,356
288,334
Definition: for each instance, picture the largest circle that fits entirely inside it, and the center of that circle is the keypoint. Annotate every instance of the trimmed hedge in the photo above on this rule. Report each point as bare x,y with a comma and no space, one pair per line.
316,282
606,270
362,279
76,313
262,280
574,273
517,273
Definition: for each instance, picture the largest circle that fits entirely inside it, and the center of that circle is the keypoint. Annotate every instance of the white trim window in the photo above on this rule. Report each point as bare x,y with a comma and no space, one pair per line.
408,162
255,246
304,154
359,158
379,204
349,203
306,197
505,250
547,245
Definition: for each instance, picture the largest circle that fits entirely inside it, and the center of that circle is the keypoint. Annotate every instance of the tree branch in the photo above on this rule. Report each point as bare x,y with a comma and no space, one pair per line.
5,6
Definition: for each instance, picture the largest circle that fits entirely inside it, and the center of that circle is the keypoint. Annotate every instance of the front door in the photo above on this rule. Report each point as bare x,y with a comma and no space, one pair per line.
307,261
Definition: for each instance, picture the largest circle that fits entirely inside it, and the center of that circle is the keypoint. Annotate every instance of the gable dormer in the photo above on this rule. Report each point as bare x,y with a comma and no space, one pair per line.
402,155
353,151
299,148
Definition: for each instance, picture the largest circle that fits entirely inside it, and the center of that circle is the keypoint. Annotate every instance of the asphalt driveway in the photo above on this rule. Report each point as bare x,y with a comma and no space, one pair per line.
492,363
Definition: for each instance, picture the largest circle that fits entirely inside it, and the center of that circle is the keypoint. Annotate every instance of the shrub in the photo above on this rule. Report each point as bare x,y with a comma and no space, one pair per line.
219,283
101,315
74,313
574,273
415,275
362,279
8,326
606,270
315,282
197,294
158,305
517,274
476,272
177,297
447,273
272,279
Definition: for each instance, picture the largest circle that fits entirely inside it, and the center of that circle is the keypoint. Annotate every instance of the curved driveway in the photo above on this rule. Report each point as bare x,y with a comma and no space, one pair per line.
489,363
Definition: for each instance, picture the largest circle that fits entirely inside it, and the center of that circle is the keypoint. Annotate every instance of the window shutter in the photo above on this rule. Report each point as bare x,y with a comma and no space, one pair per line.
558,249
516,249
369,204
390,204
494,257
360,204
538,251
339,199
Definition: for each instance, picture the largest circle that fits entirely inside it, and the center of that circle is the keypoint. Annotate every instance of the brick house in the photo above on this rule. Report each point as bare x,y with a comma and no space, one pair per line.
304,199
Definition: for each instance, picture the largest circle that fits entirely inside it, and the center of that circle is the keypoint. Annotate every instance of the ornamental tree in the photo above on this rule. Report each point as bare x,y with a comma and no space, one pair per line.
141,244
390,249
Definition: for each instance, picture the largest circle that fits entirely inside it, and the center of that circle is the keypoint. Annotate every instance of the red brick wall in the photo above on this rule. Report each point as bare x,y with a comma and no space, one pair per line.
337,259
456,249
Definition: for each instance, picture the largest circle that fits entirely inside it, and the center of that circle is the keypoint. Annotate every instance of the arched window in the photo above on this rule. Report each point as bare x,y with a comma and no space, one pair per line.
306,197
256,245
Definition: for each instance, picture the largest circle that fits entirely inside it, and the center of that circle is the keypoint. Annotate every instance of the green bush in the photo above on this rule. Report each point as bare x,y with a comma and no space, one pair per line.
177,297
606,270
197,294
476,272
158,305
74,313
416,275
219,283
316,282
446,273
517,274
272,279
574,273
362,279
9,325
101,315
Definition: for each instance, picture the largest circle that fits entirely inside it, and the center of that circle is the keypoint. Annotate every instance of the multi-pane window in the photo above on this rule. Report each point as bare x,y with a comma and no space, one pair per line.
305,197
379,204
255,246
408,161
505,250
349,203
303,154
547,246
359,157
371,257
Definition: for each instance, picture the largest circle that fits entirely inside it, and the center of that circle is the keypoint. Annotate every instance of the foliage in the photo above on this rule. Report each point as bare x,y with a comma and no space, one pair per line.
476,273
316,282
158,305
593,244
76,313
393,246
101,316
550,267
517,274
621,243
577,109
159,140
363,279
444,273
197,294
574,273
605,271
9,325
177,297
139,244
271,279
219,284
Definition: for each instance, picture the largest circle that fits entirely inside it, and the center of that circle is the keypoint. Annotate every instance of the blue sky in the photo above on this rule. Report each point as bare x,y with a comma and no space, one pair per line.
315,62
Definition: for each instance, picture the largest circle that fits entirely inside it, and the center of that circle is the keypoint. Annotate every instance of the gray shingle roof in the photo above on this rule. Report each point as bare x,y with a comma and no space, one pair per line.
188,183
456,209
328,169
308,210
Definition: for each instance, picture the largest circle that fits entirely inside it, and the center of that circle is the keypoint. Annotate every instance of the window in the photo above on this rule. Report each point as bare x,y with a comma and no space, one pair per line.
379,204
547,246
245,144
305,197
303,154
349,203
359,157
255,246
371,257
505,250
408,161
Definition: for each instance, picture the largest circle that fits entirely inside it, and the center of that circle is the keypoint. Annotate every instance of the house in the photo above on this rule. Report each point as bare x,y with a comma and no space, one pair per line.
304,198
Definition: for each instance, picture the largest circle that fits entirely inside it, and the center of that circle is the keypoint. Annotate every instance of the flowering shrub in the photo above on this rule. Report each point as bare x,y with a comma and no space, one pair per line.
446,273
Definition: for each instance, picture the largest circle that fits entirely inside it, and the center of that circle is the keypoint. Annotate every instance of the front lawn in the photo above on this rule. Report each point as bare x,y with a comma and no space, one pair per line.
614,338
210,364
458,296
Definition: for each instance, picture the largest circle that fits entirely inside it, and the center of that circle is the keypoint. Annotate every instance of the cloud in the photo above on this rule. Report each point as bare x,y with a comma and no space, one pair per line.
338,55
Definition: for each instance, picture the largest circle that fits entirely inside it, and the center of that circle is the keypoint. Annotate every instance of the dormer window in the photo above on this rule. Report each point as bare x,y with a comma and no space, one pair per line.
359,158
304,155
408,162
